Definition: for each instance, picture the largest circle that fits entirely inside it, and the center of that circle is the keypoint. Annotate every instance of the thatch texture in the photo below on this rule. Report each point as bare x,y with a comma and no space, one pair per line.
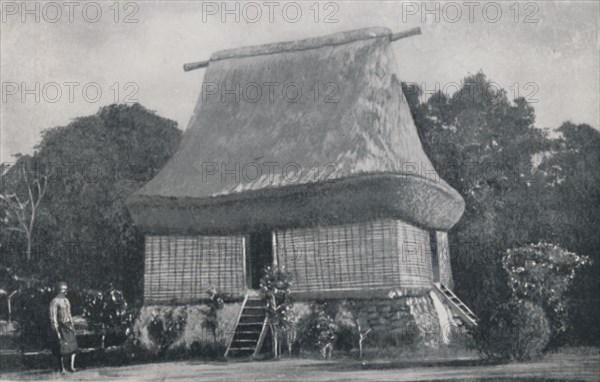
341,152
378,255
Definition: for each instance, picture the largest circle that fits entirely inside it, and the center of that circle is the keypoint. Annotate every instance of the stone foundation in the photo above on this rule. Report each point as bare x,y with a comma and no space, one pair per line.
398,322
394,322
401,322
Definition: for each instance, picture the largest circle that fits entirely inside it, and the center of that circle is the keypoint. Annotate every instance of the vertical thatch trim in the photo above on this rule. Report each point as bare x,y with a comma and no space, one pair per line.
274,249
443,255
435,261
180,268
244,262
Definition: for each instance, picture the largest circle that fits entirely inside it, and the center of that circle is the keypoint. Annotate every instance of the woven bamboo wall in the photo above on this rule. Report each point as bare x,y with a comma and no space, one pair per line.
443,253
378,254
182,268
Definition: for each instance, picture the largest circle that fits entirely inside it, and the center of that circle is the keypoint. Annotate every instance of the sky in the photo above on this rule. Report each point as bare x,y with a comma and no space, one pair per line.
62,60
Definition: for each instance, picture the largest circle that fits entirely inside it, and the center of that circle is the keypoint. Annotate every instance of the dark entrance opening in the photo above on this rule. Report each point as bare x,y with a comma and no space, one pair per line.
259,256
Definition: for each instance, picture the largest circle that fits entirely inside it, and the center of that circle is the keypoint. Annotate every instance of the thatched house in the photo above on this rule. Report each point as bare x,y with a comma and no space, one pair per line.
334,186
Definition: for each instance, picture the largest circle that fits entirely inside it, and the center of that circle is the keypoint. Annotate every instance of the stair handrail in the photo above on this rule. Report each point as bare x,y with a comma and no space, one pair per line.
237,322
261,337
454,295
464,313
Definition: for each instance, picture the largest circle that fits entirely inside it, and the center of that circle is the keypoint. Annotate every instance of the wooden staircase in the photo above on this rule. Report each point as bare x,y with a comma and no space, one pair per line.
456,305
250,329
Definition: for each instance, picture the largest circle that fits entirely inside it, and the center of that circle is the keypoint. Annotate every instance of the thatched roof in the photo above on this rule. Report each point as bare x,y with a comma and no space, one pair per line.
363,144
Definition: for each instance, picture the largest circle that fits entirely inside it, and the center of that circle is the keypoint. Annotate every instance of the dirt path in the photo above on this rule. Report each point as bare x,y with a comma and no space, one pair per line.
569,365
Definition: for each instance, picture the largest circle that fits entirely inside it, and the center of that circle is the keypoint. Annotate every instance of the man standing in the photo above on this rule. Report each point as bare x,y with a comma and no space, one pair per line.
62,324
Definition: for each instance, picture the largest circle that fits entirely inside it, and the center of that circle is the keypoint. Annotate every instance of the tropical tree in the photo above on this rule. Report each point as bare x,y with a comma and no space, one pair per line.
483,145
23,190
520,186
570,195
94,163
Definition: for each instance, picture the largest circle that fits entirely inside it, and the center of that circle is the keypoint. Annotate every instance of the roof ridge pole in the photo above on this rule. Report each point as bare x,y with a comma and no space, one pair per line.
195,65
393,37
405,34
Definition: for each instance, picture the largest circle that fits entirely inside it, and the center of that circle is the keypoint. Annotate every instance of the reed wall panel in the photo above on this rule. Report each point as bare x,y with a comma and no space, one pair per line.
183,268
369,255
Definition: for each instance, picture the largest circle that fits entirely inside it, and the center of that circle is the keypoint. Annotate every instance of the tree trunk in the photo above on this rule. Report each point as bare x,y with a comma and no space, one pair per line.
28,253
275,341
360,348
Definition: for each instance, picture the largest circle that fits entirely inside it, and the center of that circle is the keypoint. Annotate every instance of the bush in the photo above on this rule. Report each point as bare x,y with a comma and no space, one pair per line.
106,312
517,330
165,330
211,320
109,313
542,273
31,310
275,289
319,330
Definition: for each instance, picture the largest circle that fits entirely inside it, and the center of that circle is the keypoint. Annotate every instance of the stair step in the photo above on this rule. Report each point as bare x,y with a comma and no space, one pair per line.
253,317
247,333
250,328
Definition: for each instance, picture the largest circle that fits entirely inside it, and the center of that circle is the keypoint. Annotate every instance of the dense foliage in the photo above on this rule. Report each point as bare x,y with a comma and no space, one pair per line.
109,312
211,319
517,330
275,288
521,185
542,273
319,330
165,329
83,233
106,314
31,308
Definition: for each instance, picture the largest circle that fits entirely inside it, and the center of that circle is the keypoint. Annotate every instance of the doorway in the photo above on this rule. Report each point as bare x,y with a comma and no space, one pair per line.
260,255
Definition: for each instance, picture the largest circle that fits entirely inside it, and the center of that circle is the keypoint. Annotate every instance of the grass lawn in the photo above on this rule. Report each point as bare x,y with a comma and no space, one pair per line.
567,364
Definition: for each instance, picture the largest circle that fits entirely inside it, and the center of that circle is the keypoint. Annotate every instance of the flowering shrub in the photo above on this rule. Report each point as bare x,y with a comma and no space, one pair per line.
327,330
542,274
275,287
215,303
165,330
109,312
